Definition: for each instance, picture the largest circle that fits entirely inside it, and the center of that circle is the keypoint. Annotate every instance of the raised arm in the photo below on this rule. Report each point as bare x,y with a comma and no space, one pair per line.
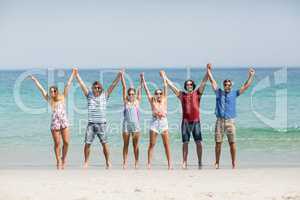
124,89
146,87
170,84
162,74
139,90
211,78
114,84
81,83
67,86
249,81
40,87
203,84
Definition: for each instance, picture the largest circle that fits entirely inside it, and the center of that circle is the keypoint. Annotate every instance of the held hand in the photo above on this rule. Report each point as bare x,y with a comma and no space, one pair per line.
75,71
142,76
251,71
31,77
162,74
209,66
122,71
160,115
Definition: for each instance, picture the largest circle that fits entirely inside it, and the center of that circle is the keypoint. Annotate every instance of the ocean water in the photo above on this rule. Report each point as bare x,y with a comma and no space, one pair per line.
268,127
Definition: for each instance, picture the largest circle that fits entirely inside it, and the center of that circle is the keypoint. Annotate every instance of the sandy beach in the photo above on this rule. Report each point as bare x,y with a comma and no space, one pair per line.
94,183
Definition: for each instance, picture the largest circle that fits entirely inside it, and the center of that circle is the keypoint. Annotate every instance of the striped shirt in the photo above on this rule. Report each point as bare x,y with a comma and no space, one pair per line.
97,107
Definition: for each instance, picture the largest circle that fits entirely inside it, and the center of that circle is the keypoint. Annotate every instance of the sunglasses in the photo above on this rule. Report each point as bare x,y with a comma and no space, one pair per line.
227,85
53,91
97,88
189,84
131,94
158,93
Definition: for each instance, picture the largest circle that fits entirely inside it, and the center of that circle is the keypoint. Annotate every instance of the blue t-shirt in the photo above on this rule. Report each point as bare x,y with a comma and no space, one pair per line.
226,103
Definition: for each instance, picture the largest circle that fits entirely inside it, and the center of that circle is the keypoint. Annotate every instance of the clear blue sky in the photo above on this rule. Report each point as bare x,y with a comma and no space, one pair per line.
149,33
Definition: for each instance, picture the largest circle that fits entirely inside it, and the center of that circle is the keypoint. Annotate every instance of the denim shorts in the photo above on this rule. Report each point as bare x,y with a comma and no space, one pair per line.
95,129
188,128
131,127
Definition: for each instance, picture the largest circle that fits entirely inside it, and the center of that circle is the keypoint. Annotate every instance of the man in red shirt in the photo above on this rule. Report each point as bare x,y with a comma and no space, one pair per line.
190,102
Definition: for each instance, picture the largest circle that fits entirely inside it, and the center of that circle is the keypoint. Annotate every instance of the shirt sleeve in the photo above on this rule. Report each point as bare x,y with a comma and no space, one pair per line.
180,95
89,94
237,93
106,96
218,91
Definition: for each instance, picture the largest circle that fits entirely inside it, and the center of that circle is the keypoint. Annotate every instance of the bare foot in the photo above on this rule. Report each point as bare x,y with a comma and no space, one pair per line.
59,165
233,166
85,165
124,166
217,166
200,165
108,165
148,166
136,165
170,167
63,163
184,165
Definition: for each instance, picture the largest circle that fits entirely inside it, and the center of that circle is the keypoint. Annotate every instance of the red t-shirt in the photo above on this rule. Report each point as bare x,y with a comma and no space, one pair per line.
190,103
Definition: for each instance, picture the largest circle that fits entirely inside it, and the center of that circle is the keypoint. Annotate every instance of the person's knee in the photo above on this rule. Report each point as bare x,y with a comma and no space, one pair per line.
151,145
126,144
66,143
185,146
218,144
87,146
57,144
232,144
198,143
104,145
166,142
136,148
135,145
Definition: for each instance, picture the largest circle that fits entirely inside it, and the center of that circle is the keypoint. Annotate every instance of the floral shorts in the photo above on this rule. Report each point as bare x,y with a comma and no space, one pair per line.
59,123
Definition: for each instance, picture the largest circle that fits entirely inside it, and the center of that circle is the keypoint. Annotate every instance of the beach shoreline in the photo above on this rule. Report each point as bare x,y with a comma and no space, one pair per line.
98,183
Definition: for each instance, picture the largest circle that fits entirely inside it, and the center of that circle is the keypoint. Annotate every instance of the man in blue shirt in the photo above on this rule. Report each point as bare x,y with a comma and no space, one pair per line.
226,113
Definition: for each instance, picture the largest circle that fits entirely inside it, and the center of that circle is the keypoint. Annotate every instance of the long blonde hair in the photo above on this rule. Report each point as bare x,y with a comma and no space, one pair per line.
54,100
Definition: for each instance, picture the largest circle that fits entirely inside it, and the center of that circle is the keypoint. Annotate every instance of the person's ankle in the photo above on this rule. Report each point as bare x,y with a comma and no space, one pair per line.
233,165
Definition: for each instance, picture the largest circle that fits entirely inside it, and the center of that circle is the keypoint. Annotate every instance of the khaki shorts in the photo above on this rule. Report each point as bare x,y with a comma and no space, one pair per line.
225,126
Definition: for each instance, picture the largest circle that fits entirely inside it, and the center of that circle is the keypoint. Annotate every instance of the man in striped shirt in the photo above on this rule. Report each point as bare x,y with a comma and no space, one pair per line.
97,99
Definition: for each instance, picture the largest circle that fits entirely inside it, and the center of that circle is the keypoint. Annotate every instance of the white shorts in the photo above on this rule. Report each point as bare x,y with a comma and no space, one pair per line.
159,125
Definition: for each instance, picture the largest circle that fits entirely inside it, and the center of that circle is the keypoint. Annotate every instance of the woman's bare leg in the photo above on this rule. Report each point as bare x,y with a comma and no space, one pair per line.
165,138
57,141
126,137
66,140
153,136
135,142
